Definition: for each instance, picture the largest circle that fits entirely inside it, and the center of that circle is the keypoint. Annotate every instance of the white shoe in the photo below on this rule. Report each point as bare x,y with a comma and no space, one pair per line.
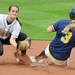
39,63
32,58
17,59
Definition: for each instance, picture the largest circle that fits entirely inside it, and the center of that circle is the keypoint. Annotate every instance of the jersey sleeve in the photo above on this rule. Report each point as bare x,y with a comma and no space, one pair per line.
60,25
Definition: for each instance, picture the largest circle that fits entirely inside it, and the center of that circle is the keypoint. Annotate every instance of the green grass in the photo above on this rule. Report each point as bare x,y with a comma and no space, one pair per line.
37,15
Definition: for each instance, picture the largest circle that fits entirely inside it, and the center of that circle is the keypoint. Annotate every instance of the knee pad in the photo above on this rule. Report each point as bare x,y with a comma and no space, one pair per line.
1,52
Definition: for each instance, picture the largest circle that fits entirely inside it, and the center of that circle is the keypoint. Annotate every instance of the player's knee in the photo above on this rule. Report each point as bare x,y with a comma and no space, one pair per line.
1,52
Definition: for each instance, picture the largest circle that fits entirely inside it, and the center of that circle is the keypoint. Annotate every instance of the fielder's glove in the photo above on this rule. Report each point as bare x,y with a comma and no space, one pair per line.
24,45
22,59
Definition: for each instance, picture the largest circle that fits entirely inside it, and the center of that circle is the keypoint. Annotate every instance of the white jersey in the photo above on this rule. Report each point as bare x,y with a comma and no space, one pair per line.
6,30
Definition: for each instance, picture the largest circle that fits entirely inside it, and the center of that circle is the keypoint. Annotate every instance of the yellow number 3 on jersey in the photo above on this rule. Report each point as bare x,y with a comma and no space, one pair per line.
66,38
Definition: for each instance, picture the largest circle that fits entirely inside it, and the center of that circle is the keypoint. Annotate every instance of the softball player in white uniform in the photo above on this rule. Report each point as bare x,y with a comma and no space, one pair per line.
10,29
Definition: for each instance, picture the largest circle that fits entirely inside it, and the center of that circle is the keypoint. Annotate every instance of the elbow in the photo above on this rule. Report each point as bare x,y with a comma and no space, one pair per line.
49,29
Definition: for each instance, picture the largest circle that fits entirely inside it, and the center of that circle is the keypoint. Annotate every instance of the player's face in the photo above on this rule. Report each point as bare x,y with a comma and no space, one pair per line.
13,12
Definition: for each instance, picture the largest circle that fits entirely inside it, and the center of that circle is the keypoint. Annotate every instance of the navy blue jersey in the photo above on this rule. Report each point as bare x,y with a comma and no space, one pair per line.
61,45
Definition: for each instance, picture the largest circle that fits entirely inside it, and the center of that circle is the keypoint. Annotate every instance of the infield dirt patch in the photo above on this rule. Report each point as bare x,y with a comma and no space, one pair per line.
8,65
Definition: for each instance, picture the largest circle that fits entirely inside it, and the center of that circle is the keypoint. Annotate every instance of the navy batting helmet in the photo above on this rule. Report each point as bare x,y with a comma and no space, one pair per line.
72,14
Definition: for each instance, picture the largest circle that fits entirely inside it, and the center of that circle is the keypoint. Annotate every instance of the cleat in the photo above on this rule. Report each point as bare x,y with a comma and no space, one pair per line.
17,59
32,58
39,63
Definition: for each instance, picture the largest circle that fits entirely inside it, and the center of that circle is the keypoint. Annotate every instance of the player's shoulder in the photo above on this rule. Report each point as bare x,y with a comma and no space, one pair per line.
61,22
2,15
17,22
64,20
17,25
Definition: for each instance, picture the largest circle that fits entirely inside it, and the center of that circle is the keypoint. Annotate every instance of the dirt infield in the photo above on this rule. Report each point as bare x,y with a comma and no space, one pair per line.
8,65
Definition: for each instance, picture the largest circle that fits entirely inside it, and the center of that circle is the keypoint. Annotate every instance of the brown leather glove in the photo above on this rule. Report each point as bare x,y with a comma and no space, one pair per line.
23,59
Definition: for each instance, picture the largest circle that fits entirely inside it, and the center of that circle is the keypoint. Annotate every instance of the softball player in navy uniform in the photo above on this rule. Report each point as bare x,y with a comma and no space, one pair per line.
10,29
59,49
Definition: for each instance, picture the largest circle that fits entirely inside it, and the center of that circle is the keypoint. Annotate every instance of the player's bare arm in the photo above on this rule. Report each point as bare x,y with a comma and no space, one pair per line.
13,41
50,29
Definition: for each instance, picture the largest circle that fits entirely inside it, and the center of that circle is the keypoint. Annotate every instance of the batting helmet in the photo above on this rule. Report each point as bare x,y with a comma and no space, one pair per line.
72,14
